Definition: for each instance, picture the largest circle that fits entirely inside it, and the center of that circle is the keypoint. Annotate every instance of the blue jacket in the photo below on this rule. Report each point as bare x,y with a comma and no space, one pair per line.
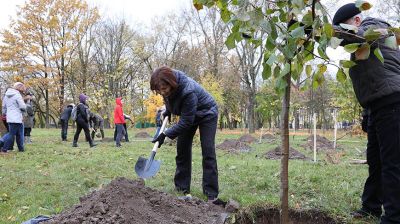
191,102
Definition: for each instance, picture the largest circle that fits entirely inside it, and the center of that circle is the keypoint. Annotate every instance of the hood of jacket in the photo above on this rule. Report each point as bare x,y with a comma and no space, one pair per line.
118,101
11,92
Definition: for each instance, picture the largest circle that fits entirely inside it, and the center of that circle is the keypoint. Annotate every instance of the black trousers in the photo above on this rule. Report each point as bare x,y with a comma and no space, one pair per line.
183,174
27,132
81,124
383,157
64,130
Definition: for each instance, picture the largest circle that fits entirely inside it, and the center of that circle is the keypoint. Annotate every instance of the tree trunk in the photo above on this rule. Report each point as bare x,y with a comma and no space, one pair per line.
285,151
250,114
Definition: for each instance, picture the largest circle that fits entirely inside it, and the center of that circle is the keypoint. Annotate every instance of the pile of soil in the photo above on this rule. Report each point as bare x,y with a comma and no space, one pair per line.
142,135
247,139
234,146
322,143
272,216
267,136
293,154
129,201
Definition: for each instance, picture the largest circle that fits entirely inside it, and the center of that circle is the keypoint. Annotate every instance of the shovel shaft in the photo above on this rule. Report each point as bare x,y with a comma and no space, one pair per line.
155,147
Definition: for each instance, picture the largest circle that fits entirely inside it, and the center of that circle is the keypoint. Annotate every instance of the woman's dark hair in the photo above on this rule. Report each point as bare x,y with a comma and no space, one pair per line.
163,75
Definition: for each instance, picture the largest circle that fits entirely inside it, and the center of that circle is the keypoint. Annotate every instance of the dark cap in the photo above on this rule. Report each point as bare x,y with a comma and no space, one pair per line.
345,12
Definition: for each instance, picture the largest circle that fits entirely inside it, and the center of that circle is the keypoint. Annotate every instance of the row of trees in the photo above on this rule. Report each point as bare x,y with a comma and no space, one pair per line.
63,48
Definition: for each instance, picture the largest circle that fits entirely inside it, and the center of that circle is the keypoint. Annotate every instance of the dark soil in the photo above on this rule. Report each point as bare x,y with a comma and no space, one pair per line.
129,201
322,143
268,137
271,216
247,139
293,154
142,135
234,146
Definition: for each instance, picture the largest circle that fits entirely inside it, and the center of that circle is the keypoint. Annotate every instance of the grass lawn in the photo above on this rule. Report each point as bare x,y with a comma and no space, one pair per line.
51,175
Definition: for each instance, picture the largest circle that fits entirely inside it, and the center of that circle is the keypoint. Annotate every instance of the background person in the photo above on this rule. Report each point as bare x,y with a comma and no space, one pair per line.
377,88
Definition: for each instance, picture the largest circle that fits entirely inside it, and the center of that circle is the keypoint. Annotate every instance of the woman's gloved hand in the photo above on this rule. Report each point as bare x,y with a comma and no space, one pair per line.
160,139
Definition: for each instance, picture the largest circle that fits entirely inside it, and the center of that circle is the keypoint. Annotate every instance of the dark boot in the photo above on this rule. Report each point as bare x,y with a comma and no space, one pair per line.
74,144
92,144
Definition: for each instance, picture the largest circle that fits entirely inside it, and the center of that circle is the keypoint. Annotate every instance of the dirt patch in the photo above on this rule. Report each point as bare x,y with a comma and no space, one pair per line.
322,143
293,154
272,216
234,146
268,138
142,135
247,139
129,201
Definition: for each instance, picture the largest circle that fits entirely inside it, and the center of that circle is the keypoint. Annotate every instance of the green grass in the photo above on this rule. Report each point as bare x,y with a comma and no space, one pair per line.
51,175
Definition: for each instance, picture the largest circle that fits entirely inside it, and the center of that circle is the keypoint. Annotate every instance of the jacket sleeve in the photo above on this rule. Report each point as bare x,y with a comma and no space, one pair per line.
21,103
186,120
29,110
4,107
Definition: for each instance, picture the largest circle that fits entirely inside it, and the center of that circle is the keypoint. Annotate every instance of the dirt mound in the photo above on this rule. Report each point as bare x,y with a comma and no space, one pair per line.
268,137
234,146
247,139
129,201
142,135
271,216
322,143
293,154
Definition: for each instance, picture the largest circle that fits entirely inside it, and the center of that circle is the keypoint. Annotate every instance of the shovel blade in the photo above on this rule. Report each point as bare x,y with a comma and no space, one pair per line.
146,168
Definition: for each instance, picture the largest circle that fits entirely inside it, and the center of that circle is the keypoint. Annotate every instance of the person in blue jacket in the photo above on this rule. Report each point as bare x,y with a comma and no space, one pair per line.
196,109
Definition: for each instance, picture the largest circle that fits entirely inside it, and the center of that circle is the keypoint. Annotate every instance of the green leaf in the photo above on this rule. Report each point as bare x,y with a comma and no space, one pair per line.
307,19
225,15
198,6
286,70
371,35
391,42
243,16
321,69
349,27
230,41
363,5
378,54
308,51
266,71
335,42
277,71
270,44
271,60
328,29
308,70
341,76
281,4
298,32
322,53
347,63
351,48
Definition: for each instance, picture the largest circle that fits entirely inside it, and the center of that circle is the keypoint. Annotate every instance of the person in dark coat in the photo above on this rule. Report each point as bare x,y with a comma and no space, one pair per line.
64,119
28,118
377,88
82,121
158,122
96,122
197,110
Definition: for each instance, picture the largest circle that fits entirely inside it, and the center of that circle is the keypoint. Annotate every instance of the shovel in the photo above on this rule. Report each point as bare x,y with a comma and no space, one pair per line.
146,168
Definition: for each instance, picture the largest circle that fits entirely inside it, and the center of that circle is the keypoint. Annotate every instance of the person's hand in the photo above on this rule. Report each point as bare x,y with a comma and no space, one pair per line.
160,139
165,114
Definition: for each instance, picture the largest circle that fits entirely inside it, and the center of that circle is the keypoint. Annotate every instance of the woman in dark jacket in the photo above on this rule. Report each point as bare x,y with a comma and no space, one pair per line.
82,121
197,109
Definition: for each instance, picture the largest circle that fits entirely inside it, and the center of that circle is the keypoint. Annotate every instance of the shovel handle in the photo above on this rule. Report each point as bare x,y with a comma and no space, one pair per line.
165,121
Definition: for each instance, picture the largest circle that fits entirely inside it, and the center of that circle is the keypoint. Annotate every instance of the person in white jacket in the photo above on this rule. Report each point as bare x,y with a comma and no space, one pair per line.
14,107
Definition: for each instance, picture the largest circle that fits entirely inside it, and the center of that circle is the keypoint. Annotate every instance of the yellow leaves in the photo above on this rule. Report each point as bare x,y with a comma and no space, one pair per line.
213,86
152,104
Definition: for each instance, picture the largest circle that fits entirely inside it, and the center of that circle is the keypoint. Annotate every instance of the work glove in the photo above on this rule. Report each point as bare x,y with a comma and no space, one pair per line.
165,114
160,139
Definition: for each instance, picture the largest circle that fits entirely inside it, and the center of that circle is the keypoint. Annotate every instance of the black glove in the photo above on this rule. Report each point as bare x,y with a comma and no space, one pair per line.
364,123
160,139
165,114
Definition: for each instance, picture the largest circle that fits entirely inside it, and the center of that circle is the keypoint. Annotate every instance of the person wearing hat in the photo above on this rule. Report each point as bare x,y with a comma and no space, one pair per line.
377,88
82,121
64,118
